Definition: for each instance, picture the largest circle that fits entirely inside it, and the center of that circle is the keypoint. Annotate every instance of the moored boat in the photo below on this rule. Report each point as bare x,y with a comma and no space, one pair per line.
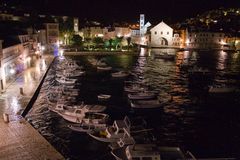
146,104
142,96
103,97
148,151
104,68
80,116
112,133
64,80
120,74
165,56
134,88
88,128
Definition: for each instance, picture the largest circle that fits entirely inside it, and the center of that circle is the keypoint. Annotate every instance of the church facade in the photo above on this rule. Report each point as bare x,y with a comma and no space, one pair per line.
162,36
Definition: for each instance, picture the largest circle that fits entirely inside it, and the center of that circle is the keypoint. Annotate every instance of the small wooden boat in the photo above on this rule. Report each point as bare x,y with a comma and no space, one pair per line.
223,93
221,90
165,56
120,74
82,108
148,151
126,140
112,133
134,88
104,68
79,116
103,97
70,74
88,128
146,104
142,96
64,80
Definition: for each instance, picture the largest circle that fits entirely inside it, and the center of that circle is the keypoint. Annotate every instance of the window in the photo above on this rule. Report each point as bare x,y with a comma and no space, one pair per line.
220,35
219,40
161,32
212,35
167,33
155,32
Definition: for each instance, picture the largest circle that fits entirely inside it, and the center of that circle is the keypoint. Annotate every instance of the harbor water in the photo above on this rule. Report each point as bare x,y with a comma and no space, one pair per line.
190,118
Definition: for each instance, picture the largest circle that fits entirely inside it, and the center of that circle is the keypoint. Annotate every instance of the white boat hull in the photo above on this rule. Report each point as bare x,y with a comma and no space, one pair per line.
104,139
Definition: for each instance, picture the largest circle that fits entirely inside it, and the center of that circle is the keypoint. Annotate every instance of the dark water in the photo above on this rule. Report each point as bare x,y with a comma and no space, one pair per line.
191,119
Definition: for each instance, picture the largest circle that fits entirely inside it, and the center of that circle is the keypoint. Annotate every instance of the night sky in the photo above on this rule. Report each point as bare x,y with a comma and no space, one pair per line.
128,10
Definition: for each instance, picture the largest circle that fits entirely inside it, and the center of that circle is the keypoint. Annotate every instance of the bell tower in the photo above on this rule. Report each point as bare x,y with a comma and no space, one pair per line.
75,23
142,22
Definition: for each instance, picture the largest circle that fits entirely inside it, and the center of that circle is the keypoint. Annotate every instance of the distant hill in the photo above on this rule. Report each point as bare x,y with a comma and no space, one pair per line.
222,20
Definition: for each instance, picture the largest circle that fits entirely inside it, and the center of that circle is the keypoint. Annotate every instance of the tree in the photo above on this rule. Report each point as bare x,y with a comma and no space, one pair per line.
118,42
66,29
109,43
129,39
88,42
76,40
98,42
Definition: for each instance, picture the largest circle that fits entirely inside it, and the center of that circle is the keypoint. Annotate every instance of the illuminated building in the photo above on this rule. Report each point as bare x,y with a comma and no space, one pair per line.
205,40
162,36
52,32
76,24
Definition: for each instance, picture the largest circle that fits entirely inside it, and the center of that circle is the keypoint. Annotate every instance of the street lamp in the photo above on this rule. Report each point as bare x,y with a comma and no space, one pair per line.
12,71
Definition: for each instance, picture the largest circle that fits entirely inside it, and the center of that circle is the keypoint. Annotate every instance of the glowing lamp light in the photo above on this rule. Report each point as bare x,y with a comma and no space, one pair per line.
43,48
119,35
100,35
61,52
222,42
28,58
12,71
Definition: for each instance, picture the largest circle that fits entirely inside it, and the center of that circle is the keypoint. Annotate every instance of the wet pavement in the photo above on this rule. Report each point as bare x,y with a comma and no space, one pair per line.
18,139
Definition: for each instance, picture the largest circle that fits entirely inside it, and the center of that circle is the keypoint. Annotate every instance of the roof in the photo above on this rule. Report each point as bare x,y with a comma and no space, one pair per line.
160,24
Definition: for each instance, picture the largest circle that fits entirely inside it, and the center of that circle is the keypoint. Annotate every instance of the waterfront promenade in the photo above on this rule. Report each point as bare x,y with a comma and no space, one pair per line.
18,139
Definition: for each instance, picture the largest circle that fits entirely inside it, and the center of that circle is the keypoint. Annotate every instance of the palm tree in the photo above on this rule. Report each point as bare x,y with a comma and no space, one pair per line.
129,41
119,42
98,41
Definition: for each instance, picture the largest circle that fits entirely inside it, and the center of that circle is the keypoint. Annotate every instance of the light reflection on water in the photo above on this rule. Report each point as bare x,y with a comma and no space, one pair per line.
188,120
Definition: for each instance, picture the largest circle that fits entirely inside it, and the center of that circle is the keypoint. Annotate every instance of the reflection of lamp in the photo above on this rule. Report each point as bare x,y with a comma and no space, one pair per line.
65,36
